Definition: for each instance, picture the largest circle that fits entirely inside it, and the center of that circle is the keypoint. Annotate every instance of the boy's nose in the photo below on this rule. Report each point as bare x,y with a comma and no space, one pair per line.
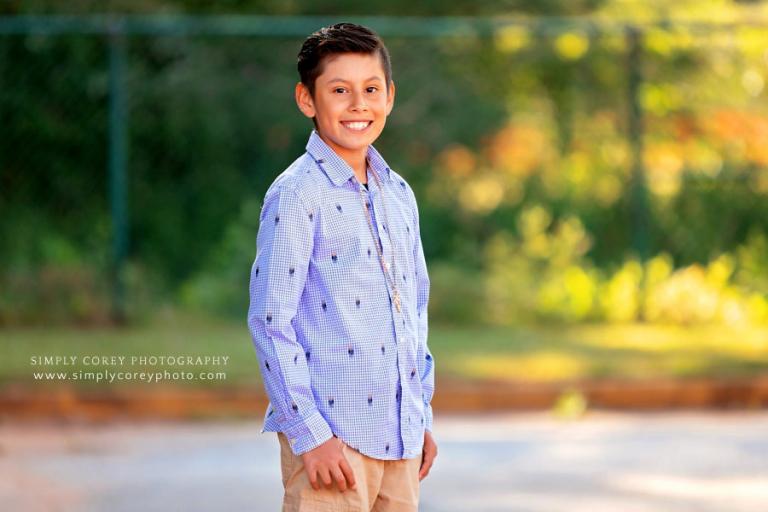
358,103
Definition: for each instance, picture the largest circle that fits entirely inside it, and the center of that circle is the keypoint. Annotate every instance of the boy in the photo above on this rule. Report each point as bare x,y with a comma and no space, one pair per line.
339,291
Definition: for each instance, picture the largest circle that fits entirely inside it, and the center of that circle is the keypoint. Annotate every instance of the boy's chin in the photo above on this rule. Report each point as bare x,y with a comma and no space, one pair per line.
354,141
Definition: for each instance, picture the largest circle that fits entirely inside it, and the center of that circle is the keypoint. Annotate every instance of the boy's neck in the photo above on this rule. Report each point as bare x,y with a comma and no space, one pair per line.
362,173
359,165
357,161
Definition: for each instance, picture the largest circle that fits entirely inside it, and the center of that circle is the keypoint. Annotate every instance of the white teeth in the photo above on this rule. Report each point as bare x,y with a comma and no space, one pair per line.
359,126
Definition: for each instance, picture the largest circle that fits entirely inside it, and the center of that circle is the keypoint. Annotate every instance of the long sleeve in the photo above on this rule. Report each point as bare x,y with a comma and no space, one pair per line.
422,302
284,248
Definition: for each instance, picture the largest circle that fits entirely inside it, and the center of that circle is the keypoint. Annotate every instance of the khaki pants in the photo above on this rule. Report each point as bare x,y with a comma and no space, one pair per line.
380,485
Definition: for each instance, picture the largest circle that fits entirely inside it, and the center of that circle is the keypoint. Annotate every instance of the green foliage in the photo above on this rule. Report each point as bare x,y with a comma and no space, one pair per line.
542,275
515,140
222,285
456,295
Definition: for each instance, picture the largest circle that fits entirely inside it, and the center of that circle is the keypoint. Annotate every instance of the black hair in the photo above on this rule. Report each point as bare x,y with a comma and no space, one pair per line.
337,39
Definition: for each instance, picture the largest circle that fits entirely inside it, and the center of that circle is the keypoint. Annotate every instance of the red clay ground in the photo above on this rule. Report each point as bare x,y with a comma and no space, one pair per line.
67,403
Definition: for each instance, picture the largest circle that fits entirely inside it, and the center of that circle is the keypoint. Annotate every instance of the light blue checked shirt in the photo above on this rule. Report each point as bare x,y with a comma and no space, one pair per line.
336,356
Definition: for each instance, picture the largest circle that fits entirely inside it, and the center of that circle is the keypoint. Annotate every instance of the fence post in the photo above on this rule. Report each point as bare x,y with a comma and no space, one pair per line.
638,190
118,157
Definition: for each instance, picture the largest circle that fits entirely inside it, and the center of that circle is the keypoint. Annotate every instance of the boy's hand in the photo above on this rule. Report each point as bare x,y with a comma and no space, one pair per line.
328,461
430,452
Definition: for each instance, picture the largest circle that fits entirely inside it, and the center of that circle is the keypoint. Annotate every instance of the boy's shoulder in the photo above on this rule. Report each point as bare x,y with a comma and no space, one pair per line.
297,179
405,188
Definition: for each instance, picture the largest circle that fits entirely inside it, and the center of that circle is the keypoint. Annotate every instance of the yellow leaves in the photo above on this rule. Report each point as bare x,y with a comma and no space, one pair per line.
518,149
542,274
664,165
620,296
719,271
700,294
752,81
578,165
533,221
457,160
571,46
567,240
569,294
757,308
512,38
666,41
752,40
658,269
479,181
481,194
615,153
607,190
660,99
702,158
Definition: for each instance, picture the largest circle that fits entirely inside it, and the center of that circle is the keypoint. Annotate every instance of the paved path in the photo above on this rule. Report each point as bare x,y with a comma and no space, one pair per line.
523,462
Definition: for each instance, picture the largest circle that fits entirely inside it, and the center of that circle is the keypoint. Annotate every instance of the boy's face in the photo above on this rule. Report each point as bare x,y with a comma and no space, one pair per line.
350,104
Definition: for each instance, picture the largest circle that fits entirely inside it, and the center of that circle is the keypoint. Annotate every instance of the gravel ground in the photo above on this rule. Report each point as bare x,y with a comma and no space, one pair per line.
628,462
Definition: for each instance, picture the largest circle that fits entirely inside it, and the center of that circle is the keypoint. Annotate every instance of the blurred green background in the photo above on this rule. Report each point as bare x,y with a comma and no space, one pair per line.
592,177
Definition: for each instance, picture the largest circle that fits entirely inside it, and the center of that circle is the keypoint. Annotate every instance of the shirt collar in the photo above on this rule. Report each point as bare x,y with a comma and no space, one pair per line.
335,167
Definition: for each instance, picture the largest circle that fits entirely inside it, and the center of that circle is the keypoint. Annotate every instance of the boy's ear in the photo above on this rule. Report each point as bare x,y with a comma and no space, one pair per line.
304,100
391,97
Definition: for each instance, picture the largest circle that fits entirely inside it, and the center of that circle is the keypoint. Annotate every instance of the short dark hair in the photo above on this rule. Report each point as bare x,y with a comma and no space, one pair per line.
337,39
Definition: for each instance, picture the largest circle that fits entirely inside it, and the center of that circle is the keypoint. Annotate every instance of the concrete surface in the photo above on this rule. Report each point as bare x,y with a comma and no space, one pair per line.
628,462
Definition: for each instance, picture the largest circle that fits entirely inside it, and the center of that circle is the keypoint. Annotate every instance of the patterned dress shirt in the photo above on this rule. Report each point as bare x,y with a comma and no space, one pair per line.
336,355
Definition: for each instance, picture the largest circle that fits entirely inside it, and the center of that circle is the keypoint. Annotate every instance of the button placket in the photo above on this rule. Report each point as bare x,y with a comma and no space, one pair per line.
401,341
375,198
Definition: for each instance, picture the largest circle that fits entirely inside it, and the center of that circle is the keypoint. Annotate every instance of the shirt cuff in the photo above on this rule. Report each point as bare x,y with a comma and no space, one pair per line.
428,417
308,433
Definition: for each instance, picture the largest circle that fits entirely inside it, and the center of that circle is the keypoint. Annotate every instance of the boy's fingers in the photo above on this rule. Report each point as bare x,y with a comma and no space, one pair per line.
325,475
348,473
425,467
338,475
313,480
426,463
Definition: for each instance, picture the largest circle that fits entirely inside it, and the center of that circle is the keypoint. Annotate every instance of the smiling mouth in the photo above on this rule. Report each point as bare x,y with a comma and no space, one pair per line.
356,126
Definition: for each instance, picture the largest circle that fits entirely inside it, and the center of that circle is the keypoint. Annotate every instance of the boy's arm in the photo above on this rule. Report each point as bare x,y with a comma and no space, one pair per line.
422,301
278,275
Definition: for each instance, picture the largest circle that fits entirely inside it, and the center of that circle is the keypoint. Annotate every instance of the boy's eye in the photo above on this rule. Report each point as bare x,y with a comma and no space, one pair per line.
341,90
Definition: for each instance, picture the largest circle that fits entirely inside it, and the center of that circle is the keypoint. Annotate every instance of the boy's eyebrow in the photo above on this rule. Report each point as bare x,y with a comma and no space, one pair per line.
347,81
